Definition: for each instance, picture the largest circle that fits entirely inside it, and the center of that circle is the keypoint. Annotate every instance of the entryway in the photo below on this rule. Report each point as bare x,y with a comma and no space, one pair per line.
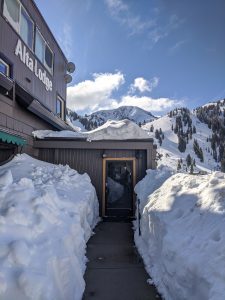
115,270
118,187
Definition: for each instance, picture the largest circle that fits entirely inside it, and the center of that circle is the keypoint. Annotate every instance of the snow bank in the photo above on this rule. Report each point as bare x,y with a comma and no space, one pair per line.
183,236
47,213
151,182
111,130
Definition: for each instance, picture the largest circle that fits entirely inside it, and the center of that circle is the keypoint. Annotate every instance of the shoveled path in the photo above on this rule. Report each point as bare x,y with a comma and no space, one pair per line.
115,271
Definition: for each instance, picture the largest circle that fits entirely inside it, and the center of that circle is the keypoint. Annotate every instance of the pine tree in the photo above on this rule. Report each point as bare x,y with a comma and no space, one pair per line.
191,169
176,129
196,146
215,155
157,134
221,151
160,141
188,160
198,150
178,165
201,157
181,144
194,129
223,163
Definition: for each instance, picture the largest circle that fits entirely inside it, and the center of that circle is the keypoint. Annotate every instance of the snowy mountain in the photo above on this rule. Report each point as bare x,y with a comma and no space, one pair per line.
96,119
200,134
185,142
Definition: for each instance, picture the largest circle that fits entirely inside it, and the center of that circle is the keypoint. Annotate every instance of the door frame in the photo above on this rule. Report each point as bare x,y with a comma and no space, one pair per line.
133,159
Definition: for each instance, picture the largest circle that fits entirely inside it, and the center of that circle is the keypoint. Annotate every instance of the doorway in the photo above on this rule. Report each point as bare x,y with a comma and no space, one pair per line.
118,187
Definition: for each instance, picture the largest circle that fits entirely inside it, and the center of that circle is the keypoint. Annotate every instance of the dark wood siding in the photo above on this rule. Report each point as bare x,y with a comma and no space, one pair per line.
90,161
19,121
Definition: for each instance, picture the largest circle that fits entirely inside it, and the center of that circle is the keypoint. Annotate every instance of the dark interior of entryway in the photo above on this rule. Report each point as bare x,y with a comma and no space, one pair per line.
119,186
7,151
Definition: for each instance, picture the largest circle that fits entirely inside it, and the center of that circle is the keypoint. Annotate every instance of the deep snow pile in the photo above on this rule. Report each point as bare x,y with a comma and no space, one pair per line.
111,130
182,236
152,181
47,214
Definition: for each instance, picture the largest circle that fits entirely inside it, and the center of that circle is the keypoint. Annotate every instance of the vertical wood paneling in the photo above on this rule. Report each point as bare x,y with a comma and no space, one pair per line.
90,161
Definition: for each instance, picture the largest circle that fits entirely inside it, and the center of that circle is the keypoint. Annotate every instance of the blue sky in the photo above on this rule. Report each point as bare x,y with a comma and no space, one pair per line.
155,54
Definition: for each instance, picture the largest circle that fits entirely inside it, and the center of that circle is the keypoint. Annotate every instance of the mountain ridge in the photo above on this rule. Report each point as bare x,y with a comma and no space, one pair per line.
187,140
98,118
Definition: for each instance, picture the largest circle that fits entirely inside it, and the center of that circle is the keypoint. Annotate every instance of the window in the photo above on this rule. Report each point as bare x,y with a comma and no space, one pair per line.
11,11
60,108
18,17
4,68
43,52
26,28
20,20
39,46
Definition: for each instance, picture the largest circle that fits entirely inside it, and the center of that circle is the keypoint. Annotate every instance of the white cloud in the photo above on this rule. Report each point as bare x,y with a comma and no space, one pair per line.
155,28
116,6
177,46
122,14
97,94
160,32
92,94
150,104
143,85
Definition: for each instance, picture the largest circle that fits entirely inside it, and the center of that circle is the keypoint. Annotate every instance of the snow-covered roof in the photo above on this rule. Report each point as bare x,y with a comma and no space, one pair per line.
111,130
118,130
42,134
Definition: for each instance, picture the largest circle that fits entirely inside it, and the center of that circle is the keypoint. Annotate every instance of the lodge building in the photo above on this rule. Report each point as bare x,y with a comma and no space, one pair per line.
34,74
33,77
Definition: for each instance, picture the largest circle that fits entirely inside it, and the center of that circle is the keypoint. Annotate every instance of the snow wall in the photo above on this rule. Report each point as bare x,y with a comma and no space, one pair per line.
182,237
47,213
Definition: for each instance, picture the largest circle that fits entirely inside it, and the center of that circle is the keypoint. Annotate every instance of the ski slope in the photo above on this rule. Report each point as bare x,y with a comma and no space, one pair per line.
169,148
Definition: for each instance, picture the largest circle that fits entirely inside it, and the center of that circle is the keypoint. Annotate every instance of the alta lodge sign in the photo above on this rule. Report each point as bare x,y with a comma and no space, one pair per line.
32,64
